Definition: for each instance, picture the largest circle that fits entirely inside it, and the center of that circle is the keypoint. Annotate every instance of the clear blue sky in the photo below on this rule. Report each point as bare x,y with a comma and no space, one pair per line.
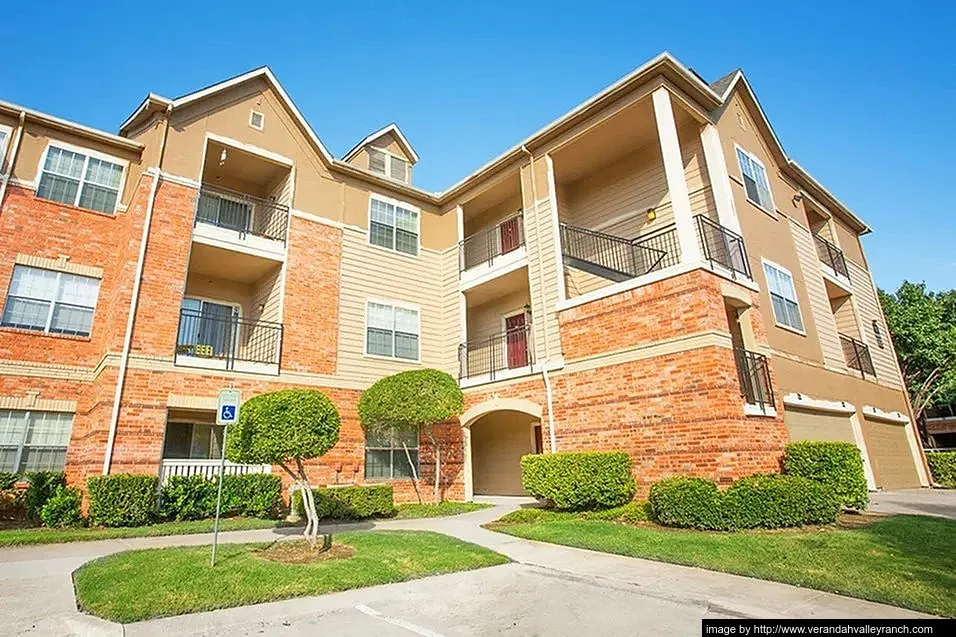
862,96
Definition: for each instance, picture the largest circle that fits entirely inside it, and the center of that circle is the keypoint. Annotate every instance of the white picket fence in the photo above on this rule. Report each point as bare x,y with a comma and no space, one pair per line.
206,468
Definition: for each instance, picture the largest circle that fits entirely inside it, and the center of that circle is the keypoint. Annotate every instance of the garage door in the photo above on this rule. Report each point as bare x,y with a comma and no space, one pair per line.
816,425
890,454
498,441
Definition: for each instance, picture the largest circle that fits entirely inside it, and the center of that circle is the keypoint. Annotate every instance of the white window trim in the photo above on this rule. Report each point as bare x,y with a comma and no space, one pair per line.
18,458
262,119
773,206
391,467
406,206
394,304
793,281
88,153
49,316
389,156
4,144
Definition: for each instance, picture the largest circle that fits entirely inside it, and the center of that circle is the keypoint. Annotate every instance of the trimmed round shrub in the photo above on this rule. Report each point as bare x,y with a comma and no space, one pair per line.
687,503
777,501
43,484
579,481
356,502
122,499
63,508
942,464
839,465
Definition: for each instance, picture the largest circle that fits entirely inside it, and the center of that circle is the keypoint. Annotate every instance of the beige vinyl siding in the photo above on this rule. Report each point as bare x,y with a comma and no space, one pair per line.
543,280
868,308
820,309
496,213
486,319
370,273
578,282
267,292
817,425
451,313
845,317
221,290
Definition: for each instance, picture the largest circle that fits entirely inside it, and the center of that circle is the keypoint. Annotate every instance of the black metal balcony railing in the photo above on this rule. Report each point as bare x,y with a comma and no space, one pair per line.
243,213
722,246
485,245
831,256
857,355
229,339
940,412
754,373
617,258
491,355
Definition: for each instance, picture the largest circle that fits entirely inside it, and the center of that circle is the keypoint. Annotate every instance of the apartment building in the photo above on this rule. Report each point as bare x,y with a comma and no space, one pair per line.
650,272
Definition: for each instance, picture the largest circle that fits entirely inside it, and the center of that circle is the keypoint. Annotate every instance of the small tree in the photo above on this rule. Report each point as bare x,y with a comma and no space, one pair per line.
415,400
286,428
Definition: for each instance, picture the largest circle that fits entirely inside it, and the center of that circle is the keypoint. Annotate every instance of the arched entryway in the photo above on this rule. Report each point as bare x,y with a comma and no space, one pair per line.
498,433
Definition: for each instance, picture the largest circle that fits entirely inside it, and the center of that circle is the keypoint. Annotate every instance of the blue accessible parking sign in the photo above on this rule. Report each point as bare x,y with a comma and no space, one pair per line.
227,411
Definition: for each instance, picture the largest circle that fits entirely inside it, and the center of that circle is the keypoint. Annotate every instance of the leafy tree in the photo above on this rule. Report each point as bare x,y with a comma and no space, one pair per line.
415,400
922,324
286,428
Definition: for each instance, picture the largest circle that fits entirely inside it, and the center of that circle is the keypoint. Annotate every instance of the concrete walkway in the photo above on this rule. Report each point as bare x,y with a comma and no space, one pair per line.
549,589
938,502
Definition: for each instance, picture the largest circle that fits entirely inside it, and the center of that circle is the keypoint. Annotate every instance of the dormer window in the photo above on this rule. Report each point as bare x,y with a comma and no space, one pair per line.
388,165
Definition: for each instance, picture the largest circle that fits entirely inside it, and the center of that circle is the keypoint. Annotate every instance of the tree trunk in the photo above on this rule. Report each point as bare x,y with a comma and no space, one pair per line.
411,466
311,532
437,446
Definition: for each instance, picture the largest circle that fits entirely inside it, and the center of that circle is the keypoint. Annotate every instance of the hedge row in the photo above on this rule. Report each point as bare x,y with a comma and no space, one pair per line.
759,501
838,465
41,486
579,481
356,502
942,464
256,495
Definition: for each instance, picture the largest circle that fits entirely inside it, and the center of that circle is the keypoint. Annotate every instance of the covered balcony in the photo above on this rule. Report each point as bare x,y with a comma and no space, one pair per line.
835,272
634,198
244,201
499,340
493,241
857,355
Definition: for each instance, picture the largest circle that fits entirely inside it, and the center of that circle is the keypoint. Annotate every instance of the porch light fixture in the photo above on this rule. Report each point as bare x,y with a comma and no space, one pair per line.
222,157
651,214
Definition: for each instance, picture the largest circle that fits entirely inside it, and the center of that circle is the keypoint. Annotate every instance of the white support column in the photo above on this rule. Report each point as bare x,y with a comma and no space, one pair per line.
719,178
556,229
674,172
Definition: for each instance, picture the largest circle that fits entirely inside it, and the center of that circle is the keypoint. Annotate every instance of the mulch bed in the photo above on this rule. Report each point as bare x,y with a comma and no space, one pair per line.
300,552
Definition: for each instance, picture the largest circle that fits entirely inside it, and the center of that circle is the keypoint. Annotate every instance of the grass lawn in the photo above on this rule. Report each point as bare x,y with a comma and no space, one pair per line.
415,510
138,585
903,560
16,537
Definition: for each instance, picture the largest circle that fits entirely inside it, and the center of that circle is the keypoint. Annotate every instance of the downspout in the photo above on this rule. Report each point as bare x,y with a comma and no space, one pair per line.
137,284
537,237
14,148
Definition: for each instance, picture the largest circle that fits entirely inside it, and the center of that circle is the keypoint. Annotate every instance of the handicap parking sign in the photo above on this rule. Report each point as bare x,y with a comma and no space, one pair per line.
227,411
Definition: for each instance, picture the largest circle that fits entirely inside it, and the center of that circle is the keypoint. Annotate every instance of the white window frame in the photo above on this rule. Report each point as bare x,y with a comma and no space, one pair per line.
394,304
53,303
394,451
389,156
401,204
88,154
796,299
262,119
18,458
4,143
773,206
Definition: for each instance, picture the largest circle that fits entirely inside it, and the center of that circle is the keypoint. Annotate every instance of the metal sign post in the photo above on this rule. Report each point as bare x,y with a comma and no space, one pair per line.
227,413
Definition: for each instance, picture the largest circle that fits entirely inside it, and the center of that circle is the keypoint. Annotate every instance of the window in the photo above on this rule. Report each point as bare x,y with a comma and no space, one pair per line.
256,120
3,146
393,226
192,441
387,164
755,180
878,334
391,331
208,329
33,440
79,180
48,301
385,455
224,212
783,297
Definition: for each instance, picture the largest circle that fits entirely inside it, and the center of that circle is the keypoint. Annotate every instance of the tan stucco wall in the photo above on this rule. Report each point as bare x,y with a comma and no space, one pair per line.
498,441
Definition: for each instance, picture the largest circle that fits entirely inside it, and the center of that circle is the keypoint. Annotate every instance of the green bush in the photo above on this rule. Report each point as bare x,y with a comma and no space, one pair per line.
777,501
351,503
63,508
122,499
687,502
579,481
942,464
194,497
43,484
8,480
838,465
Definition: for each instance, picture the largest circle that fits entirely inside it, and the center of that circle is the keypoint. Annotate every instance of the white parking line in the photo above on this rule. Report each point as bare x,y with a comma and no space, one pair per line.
395,621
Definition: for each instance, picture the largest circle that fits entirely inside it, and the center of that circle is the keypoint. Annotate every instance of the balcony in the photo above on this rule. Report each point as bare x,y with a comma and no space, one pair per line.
230,219
754,373
722,247
831,257
482,248
857,355
503,355
213,336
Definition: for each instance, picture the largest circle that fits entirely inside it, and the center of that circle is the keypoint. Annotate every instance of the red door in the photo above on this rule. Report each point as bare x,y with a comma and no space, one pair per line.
510,237
517,339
